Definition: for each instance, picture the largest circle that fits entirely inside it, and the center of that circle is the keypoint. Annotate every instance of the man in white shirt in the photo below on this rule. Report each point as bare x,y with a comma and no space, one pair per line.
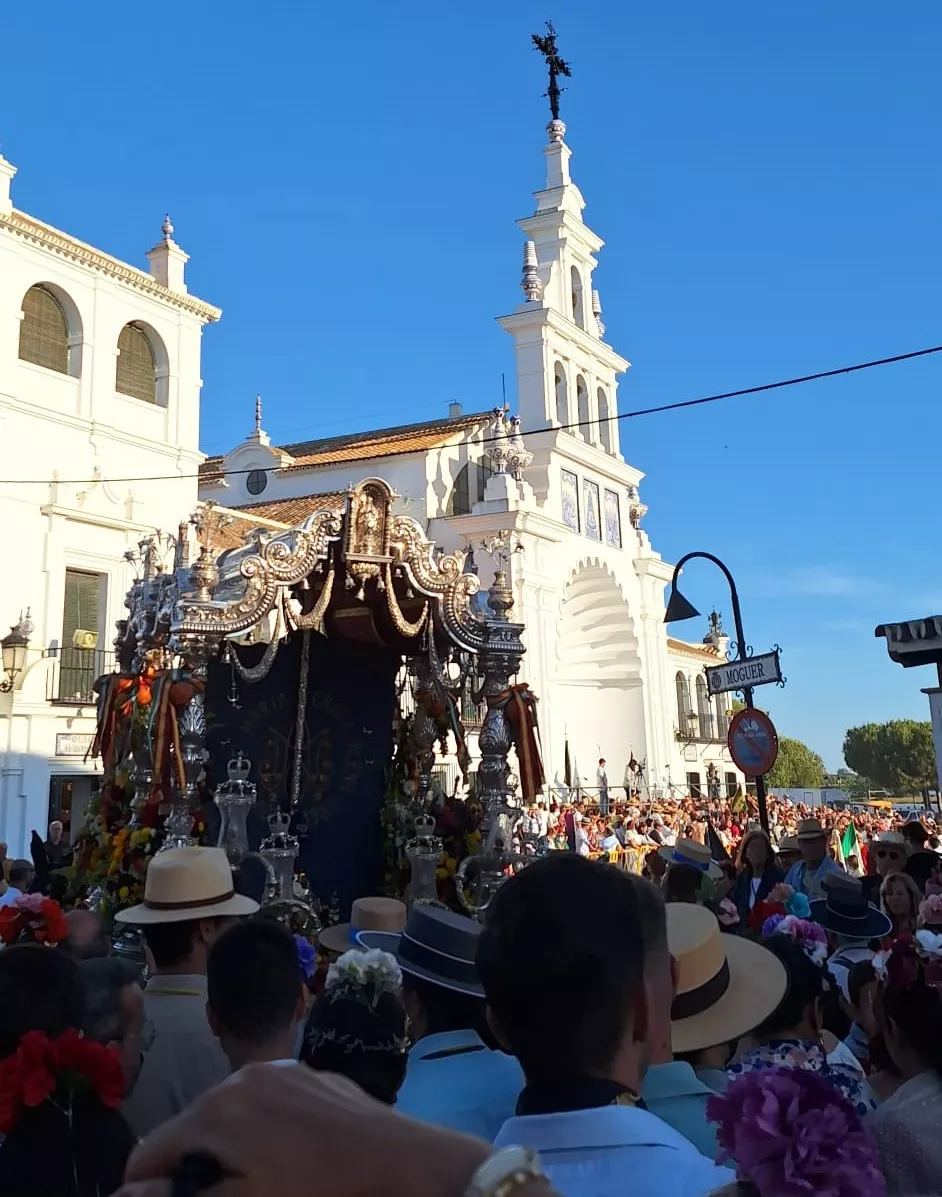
579,1108
21,876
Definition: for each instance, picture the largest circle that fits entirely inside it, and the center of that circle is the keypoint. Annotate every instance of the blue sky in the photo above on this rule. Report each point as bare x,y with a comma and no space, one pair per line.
346,179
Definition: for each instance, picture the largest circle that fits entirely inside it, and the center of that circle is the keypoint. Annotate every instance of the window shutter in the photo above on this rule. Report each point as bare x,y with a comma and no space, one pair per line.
136,373
44,331
80,608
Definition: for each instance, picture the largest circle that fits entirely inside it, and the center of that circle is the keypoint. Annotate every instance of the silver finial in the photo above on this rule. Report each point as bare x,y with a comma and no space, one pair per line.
556,130
167,228
258,413
531,284
597,312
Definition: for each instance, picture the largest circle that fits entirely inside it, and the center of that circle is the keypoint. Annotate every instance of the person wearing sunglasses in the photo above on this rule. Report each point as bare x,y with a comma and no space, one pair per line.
888,852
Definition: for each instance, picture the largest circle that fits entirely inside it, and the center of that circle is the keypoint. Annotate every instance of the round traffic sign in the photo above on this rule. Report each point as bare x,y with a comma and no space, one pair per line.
753,742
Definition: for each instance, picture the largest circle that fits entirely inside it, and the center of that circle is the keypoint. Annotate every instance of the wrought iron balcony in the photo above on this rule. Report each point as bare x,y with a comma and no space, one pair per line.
73,674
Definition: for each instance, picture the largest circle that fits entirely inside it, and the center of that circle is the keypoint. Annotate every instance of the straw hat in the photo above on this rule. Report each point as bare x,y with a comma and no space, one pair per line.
188,883
726,984
366,914
691,852
811,829
437,945
788,843
893,839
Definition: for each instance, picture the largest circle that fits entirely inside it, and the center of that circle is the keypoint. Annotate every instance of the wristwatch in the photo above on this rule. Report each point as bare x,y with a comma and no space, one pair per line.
504,1172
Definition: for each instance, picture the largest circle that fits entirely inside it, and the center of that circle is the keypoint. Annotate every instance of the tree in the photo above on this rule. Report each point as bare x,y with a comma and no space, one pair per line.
796,767
898,756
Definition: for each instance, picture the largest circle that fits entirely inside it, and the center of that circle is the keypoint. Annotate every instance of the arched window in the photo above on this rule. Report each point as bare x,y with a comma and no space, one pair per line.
605,428
136,373
683,702
722,719
704,712
582,403
578,307
469,486
44,331
562,395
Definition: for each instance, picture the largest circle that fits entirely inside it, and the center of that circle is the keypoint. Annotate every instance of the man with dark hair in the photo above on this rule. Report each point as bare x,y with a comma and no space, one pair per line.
188,902
574,959
114,1011
254,992
20,879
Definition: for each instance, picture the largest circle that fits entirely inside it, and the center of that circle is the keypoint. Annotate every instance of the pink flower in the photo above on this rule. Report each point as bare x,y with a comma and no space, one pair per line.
790,1133
31,902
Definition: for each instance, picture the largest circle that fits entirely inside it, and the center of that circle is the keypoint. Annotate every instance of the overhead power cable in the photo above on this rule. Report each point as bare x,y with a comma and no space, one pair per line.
579,424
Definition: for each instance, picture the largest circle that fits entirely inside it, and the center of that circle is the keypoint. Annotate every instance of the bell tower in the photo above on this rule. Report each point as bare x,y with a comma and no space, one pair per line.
566,373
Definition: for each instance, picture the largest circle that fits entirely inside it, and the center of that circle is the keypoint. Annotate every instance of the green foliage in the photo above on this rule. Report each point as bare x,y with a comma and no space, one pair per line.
796,767
898,756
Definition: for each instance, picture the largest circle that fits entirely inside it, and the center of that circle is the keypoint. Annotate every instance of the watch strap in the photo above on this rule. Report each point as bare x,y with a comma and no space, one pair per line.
504,1172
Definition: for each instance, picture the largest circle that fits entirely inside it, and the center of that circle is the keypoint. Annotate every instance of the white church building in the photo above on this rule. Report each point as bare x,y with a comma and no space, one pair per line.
99,383
588,585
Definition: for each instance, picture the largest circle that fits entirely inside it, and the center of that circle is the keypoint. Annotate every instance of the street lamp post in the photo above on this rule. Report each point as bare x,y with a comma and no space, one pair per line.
679,608
15,646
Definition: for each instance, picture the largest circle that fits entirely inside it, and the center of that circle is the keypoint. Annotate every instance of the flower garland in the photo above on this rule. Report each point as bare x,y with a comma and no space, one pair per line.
911,959
788,1131
40,1067
35,919
810,937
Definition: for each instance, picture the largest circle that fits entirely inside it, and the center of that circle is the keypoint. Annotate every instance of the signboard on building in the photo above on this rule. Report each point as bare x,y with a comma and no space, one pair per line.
73,744
737,675
753,742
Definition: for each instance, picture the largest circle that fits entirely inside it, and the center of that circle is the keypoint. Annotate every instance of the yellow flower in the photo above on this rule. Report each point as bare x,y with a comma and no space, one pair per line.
441,873
124,893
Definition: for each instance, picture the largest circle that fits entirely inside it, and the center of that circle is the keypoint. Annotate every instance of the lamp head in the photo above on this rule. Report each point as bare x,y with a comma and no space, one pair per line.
679,608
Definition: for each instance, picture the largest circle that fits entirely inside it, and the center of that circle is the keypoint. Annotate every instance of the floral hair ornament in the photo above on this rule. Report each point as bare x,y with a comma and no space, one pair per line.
793,900
42,1067
790,1132
307,957
31,918
912,958
930,912
367,974
762,912
811,938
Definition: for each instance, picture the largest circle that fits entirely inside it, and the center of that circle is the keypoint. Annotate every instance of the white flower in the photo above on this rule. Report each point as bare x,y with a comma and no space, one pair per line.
879,963
375,970
930,942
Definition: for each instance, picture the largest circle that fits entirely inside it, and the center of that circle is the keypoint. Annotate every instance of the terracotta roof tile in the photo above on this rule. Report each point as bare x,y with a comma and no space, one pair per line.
692,650
357,446
292,511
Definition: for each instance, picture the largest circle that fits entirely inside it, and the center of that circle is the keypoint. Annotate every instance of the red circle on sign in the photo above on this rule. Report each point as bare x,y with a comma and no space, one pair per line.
753,742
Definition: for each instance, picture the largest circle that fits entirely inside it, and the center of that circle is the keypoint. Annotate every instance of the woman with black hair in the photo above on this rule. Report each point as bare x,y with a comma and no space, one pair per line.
791,1037
357,1026
909,1011
59,1093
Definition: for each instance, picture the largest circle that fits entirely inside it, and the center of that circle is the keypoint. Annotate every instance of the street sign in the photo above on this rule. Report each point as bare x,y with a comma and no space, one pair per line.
743,672
753,742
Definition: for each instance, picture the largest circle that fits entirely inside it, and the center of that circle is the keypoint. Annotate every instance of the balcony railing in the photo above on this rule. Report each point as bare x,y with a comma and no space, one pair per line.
74,672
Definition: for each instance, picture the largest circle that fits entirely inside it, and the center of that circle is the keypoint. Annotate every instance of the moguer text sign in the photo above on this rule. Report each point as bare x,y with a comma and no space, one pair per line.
738,675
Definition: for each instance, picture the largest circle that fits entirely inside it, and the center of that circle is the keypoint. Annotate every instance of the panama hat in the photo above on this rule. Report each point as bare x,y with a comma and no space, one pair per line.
811,829
844,909
366,914
788,843
188,883
691,852
436,945
726,985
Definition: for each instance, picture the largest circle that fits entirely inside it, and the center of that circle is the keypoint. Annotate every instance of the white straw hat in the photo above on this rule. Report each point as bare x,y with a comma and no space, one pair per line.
188,883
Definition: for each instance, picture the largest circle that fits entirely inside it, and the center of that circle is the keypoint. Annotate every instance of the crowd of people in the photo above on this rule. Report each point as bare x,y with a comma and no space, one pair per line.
741,1013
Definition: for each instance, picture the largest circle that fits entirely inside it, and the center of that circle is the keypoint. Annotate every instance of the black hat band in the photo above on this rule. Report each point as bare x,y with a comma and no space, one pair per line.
695,1001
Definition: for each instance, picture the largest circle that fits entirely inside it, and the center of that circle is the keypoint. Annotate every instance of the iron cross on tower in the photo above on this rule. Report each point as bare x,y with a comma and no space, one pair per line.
556,66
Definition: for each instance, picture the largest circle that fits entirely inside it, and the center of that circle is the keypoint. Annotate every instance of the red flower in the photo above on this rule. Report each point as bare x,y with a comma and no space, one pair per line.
40,1065
762,911
57,927
10,923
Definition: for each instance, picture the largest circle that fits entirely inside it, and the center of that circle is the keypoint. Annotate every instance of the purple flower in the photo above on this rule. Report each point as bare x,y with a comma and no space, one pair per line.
307,957
768,927
788,1131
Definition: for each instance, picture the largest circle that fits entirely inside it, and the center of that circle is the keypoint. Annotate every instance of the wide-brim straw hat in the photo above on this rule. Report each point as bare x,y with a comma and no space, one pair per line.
844,909
811,829
789,843
366,914
436,945
726,985
691,852
183,884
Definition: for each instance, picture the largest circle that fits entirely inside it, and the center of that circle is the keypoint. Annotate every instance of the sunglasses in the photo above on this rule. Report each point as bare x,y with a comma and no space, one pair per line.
883,853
